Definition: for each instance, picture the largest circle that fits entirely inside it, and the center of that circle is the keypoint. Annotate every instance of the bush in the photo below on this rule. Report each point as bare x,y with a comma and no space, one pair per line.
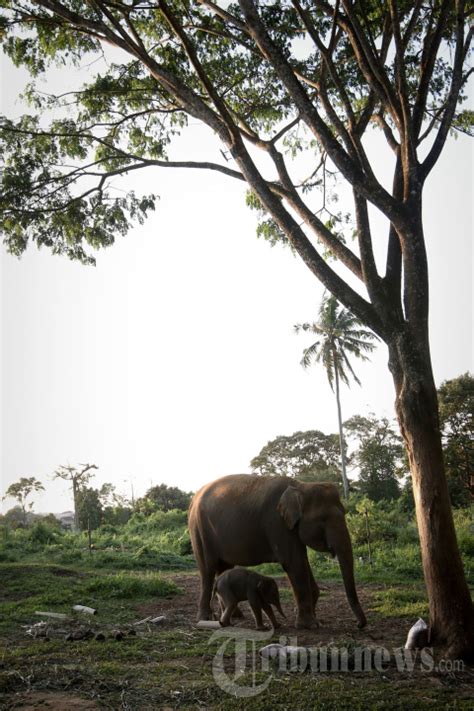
70,557
463,520
158,521
43,534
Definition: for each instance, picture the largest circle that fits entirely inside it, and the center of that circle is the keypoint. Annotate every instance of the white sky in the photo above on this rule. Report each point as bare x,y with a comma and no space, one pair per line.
174,360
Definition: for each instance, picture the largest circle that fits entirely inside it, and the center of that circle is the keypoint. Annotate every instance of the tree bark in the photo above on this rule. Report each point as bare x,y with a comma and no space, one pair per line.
451,608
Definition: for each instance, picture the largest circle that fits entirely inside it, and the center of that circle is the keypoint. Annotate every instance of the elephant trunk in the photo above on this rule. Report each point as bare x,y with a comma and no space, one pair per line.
341,544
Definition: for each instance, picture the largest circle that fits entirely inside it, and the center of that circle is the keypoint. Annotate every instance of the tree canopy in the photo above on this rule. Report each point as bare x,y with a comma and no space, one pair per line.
281,79
303,455
339,335
164,498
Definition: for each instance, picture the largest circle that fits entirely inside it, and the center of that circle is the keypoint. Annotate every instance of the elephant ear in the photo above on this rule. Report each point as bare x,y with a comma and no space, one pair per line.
290,506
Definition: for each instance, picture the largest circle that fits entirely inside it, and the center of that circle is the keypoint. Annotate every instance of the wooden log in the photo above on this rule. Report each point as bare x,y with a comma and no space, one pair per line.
56,615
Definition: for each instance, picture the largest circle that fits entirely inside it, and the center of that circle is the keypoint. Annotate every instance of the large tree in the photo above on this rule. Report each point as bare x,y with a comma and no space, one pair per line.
339,335
265,79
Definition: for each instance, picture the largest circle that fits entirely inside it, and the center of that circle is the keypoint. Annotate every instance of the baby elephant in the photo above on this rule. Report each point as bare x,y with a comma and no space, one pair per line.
238,584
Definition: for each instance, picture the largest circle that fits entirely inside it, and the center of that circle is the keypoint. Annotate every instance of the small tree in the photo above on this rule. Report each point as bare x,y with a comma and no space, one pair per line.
21,490
340,334
456,410
78,479
89,508
115,508
379,455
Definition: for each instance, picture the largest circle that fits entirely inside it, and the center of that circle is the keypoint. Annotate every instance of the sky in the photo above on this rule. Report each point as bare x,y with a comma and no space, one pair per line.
174,360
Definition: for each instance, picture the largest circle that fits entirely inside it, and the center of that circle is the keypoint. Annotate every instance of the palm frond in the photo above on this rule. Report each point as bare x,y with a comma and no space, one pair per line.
341,335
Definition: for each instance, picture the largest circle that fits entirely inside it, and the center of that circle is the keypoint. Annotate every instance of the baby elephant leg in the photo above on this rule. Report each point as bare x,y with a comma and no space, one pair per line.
269,612
255,603
230,606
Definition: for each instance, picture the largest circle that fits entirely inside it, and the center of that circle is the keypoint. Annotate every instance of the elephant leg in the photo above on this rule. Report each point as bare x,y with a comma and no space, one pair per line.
207,582
314,588
300,580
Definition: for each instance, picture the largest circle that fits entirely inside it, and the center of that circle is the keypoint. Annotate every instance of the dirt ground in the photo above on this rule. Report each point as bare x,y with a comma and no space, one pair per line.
334,615
169,666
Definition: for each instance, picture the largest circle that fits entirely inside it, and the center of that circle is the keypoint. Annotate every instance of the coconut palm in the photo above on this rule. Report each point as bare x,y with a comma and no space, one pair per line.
340,335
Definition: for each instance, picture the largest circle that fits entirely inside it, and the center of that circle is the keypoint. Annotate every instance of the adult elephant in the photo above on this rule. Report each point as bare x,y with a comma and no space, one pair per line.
246,520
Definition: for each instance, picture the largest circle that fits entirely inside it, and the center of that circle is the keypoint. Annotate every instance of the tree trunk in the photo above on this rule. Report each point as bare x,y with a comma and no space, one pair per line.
451,608
75,494
345,483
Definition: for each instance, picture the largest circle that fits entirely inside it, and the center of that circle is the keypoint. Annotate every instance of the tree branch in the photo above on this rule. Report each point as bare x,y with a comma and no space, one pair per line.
366,184
369,63
369,269
338,248
456,83
428,59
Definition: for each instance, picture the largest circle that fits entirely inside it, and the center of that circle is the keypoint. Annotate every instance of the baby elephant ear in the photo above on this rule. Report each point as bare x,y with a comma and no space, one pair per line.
266,586
290,506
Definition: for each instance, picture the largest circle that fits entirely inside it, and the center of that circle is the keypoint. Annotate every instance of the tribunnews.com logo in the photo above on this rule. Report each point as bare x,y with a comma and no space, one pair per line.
244,667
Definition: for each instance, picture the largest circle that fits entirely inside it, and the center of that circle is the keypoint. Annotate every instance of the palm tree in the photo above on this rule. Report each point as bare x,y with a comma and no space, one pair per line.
340,334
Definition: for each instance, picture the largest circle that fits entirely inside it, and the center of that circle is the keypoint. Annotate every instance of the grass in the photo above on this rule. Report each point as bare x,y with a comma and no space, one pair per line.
36,587
133,570
401,602
171,666
131,585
